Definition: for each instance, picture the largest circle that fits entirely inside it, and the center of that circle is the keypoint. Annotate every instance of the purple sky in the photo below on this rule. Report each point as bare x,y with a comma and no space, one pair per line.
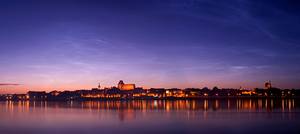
70,44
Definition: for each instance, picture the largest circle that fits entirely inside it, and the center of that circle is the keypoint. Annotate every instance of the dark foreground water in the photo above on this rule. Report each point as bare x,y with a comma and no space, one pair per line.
148,117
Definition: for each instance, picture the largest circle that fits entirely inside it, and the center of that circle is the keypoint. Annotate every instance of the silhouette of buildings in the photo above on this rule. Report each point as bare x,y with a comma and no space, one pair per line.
129,91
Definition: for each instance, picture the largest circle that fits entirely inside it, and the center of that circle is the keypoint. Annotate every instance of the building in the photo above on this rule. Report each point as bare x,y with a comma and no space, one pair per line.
37,95
268,85
123,86
156,92
174,92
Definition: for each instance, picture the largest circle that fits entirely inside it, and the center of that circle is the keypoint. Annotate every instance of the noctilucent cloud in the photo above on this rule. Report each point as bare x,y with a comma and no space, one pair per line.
70,44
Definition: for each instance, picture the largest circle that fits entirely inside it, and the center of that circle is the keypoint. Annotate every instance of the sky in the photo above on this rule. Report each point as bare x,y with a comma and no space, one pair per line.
73,44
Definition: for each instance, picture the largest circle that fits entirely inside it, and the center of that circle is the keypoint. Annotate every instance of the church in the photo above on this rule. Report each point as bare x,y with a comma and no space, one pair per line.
123,86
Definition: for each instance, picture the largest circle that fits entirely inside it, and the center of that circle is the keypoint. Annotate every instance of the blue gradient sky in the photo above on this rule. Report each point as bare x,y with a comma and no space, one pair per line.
70,44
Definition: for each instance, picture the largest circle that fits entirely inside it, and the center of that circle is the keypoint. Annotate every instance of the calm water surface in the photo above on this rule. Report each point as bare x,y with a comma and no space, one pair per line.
155,116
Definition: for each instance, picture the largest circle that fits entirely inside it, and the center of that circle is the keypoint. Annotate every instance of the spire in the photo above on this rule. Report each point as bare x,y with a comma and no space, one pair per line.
99,86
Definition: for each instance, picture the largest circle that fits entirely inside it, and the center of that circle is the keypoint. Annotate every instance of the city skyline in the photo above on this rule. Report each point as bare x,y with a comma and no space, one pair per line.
125,86
58,45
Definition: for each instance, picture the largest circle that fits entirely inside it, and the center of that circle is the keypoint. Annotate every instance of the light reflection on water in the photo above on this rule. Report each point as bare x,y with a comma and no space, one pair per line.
151,116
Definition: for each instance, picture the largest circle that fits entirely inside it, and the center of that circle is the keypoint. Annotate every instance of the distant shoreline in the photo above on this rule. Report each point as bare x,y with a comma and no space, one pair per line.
163,99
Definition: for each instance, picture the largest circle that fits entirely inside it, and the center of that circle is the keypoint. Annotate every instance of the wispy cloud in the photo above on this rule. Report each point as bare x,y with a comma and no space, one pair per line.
239,67
9,84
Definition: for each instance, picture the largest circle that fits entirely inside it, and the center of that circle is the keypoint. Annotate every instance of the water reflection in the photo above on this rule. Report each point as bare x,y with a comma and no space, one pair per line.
152,116
127,109
264,105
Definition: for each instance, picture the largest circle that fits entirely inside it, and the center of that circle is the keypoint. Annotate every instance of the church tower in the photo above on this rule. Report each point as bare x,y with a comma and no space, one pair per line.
120,84
268,85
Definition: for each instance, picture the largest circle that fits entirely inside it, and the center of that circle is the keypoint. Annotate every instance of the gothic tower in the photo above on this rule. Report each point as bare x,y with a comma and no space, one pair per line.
121,84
